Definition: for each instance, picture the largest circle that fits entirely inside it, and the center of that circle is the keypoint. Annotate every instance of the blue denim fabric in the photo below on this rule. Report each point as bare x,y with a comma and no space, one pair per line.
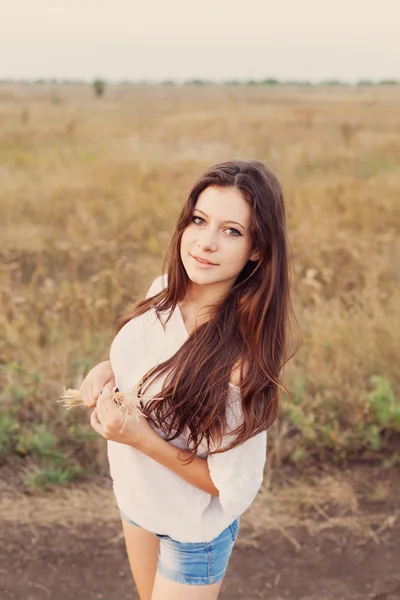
195,563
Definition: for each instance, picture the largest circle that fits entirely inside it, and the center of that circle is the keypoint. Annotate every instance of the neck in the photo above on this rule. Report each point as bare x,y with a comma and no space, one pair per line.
200,299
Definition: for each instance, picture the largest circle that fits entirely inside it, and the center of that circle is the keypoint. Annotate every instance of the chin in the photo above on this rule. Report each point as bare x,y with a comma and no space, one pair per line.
199,277
196,277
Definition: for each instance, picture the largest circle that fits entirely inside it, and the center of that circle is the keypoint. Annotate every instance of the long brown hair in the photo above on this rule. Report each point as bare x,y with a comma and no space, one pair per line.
249,328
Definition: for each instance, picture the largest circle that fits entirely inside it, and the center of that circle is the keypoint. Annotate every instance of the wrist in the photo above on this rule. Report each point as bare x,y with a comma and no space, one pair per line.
147,441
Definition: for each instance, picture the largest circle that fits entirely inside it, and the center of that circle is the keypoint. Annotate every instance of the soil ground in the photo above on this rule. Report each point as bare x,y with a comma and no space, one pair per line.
327,557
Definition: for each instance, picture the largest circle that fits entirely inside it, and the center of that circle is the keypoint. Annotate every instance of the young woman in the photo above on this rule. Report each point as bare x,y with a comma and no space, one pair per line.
205,348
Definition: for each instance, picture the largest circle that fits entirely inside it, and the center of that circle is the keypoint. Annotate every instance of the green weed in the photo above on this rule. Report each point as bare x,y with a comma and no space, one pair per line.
46,477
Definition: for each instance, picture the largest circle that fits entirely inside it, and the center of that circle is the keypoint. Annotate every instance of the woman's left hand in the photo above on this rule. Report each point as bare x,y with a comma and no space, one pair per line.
106,420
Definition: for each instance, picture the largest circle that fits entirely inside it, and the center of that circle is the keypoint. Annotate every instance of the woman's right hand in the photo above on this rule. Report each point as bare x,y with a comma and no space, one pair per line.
94,382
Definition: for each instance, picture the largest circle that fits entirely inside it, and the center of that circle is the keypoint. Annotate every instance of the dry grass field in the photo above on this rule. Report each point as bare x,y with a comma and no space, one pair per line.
90,192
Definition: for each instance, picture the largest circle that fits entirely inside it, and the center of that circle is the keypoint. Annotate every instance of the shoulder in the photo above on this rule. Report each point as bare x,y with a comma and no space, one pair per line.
159,284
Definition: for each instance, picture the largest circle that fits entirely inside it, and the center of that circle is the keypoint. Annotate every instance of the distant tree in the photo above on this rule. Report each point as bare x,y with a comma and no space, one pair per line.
388,82
270,81
74,82
332,82
364,82
297,82
99,87
198,82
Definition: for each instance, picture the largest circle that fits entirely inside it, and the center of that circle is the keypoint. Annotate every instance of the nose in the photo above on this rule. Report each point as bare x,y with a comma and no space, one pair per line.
207,241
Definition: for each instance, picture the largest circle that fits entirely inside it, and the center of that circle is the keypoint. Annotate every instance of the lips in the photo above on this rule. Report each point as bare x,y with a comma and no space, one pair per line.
203,260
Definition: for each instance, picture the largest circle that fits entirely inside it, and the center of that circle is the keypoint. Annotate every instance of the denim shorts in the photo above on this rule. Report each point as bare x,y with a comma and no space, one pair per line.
195,563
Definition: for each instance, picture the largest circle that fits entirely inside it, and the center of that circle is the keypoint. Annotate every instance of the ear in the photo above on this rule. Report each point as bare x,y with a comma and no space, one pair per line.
255,255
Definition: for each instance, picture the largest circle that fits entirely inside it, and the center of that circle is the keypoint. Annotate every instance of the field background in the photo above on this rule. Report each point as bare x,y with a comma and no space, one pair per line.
90,192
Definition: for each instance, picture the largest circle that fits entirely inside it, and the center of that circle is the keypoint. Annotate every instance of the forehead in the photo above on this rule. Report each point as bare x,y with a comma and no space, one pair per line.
224,204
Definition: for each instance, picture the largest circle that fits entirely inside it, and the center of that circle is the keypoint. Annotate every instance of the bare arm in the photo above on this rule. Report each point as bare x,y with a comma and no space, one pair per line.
165,453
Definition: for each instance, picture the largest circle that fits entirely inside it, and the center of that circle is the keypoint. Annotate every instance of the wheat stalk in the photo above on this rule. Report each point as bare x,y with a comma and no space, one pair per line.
129,403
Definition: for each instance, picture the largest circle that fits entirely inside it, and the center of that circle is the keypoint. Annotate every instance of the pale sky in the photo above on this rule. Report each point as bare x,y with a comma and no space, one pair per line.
215,39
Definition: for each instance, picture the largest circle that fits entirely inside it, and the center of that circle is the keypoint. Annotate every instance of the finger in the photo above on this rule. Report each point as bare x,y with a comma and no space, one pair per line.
107,395
107,406
100,407
107,390
85,396
109,387
89,402
95,423
96,391
104,396
89,394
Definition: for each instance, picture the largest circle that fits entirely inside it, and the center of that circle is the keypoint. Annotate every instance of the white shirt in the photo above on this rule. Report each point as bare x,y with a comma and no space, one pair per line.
149,493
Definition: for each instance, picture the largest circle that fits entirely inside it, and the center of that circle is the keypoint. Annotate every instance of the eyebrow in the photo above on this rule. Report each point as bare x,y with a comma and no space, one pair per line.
236,223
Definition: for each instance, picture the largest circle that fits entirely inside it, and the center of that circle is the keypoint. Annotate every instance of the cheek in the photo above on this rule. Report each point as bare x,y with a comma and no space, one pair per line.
240,254
187,237
184,243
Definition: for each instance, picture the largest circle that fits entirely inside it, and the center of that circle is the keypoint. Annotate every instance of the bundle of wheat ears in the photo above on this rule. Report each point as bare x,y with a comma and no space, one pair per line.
129,403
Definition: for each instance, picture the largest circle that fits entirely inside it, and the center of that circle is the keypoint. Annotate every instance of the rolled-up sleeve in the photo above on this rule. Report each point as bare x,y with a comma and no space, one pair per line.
238,473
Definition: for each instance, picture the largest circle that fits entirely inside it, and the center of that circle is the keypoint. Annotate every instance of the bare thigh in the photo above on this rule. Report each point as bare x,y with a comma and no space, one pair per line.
142,548
165,589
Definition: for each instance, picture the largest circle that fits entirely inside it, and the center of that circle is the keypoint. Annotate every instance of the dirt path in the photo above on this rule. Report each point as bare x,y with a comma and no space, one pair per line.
90,563
351,556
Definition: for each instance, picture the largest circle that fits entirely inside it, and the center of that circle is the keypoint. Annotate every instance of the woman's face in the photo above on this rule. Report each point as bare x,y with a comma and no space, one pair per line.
219,233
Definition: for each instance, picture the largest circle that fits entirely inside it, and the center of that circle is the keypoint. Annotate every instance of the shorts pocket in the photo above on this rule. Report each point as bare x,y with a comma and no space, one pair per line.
234,529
